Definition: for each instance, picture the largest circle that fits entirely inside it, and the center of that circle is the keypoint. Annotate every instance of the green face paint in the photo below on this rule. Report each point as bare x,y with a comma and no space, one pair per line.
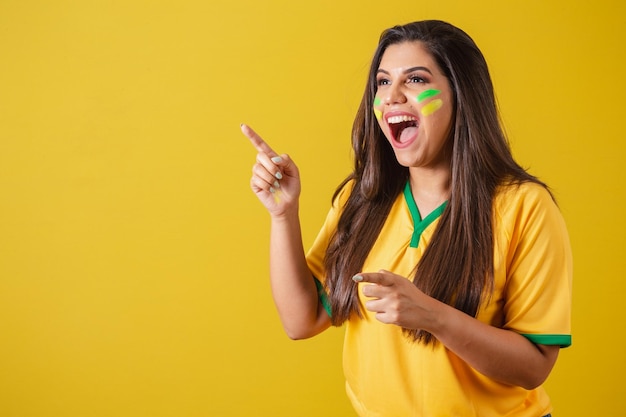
434,105
427,94
378,113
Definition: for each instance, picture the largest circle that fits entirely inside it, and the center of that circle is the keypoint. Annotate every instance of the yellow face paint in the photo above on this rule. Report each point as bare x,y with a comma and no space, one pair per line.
432,107
378,113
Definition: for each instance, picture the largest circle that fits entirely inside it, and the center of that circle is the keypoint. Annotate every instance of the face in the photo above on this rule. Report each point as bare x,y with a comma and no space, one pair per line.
414,105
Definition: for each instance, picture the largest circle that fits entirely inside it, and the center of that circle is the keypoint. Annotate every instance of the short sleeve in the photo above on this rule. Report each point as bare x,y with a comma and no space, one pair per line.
538,292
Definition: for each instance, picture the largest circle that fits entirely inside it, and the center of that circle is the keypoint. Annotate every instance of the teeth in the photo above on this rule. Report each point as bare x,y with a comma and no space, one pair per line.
400,119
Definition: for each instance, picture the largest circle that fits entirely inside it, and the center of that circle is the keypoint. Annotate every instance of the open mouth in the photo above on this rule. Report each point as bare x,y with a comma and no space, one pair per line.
401,127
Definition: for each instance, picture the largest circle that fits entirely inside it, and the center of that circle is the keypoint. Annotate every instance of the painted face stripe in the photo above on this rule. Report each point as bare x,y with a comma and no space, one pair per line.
432,107
378,113
427,94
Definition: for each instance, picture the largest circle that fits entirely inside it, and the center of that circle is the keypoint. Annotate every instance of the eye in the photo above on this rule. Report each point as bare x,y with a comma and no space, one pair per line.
416,79
382,81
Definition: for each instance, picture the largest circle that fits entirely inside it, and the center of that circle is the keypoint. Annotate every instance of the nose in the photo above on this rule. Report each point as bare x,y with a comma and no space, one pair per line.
394,95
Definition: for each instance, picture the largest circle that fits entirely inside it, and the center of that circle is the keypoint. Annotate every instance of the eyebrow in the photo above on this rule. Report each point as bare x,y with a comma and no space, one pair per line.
408,70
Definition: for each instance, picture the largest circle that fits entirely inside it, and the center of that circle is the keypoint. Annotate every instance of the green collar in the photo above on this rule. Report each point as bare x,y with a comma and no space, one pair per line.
420,225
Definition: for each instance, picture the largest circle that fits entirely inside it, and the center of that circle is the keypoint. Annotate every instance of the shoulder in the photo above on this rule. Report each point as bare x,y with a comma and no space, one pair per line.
523,196
526,206
522,192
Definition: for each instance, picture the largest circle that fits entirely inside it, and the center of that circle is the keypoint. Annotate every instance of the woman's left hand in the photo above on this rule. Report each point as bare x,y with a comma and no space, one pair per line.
501,354
395,300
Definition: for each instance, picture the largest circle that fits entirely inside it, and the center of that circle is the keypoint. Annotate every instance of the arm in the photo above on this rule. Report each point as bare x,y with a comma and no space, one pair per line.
293,286
503,355
500,354
275,181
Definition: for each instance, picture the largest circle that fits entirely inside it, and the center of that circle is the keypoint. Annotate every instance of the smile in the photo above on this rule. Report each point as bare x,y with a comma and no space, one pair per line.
399,123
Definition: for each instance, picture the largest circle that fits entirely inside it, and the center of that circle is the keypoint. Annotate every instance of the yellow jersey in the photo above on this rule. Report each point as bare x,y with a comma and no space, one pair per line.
388,374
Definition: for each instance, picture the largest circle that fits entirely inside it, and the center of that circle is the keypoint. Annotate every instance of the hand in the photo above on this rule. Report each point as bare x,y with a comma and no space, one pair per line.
275,178
395,300
500,354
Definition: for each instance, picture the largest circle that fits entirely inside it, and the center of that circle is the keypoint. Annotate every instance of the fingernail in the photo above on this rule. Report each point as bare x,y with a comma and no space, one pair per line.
357,278
272,190
279,175
276,184
277,159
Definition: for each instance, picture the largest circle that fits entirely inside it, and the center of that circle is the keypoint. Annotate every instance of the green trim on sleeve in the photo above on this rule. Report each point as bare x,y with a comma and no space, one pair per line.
323,297
563,340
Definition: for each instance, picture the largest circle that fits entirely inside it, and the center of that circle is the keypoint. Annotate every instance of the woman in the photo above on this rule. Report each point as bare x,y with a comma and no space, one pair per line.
448,262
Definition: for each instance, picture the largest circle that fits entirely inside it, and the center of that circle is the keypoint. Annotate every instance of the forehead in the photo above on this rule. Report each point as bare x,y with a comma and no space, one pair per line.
407,55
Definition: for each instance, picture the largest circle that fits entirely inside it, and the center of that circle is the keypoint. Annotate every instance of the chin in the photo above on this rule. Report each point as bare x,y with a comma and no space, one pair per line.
407,163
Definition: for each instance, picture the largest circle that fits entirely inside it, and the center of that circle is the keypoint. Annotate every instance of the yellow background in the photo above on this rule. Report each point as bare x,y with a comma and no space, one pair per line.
133,256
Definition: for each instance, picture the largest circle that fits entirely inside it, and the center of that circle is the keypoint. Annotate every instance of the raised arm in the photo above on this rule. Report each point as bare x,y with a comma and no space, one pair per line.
276,183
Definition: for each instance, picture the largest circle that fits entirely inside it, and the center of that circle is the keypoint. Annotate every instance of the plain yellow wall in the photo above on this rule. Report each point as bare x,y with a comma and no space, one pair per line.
133,256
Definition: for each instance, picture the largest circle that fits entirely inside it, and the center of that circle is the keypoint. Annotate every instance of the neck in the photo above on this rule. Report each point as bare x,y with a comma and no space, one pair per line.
430,188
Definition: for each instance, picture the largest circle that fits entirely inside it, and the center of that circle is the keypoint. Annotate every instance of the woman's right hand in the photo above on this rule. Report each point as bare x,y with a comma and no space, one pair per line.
275,178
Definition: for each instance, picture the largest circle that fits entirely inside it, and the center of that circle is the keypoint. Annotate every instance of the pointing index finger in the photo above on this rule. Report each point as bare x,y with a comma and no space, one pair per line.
257,141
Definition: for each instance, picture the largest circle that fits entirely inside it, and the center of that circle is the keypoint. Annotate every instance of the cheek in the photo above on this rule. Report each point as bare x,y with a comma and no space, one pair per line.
432,107
426,94
441,121
377,112
382,126
430,101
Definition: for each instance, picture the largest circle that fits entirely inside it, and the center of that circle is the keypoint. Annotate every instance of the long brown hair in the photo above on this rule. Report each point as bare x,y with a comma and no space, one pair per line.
457,265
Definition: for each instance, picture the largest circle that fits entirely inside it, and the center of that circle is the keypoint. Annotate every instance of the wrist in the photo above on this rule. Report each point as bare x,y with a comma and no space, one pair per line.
286,215
439,318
